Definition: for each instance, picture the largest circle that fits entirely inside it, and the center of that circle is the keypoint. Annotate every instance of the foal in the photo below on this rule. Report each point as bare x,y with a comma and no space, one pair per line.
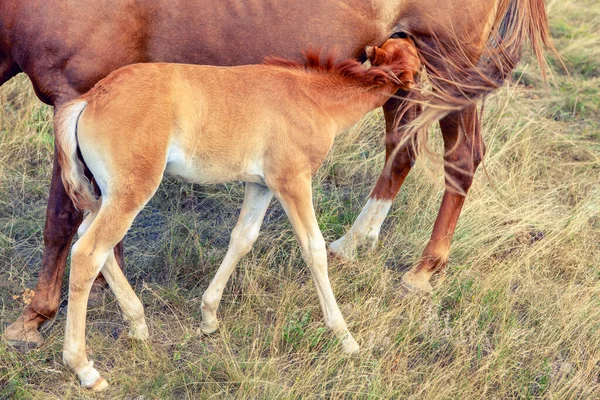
145,120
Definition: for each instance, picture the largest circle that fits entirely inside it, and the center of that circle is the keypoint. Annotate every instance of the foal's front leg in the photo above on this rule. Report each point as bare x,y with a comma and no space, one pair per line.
243,236
295,194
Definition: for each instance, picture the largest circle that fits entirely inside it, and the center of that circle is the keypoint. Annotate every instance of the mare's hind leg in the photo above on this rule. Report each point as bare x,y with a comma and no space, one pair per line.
365,230
243,236
89,256
295,195
62,220
463,151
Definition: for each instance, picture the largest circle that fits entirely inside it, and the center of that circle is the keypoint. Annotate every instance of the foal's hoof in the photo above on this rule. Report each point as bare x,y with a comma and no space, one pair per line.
416,283
139,332
350,346
23,337
99,386
90,378
209,327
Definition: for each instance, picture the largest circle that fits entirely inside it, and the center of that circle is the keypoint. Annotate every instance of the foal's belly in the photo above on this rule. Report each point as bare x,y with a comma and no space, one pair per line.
211,170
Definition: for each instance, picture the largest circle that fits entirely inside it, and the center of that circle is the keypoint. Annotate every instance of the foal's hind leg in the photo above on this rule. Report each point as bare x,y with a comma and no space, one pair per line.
463,151
243,236
295,195
89,255
365,230
131,305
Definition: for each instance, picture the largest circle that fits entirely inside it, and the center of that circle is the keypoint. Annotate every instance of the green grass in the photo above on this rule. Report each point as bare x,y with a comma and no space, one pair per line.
516,315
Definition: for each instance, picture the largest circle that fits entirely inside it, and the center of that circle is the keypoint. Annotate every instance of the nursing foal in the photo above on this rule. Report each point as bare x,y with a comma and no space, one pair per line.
145,120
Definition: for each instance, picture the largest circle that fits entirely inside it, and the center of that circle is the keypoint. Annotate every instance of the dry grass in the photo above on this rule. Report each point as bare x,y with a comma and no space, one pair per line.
516,316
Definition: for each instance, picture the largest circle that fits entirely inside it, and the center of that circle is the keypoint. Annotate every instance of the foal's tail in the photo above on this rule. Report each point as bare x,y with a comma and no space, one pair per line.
77,185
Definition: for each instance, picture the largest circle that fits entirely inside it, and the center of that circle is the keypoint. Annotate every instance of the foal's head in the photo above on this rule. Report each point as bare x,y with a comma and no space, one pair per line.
393,50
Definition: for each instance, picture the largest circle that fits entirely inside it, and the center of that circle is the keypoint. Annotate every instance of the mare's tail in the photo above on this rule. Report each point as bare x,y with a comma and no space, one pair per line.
517,22
77,185
457,81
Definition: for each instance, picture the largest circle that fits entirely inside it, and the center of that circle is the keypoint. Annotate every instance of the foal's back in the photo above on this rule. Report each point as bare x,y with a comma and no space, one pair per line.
204,124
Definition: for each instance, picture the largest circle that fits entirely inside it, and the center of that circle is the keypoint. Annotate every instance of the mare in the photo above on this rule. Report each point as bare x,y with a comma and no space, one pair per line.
146,120
467,46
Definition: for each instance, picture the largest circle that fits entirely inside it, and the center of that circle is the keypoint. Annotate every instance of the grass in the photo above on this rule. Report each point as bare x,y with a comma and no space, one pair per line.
517,315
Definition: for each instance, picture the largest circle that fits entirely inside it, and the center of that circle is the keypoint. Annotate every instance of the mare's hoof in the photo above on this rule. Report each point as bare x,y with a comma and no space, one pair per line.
416,283
342,250
23,337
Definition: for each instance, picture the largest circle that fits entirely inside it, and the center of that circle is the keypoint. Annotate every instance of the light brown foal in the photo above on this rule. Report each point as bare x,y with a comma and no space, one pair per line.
145,120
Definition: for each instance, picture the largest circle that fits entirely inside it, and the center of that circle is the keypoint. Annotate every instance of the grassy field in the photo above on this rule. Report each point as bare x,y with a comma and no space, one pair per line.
517,315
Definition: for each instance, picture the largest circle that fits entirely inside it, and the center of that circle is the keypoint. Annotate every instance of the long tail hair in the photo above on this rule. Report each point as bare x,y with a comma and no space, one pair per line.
77,185
454,81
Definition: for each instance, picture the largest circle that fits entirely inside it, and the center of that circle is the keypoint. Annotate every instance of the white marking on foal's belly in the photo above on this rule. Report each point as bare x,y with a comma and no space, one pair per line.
211,171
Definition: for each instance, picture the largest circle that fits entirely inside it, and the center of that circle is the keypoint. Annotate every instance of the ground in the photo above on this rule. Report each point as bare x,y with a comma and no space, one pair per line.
516,315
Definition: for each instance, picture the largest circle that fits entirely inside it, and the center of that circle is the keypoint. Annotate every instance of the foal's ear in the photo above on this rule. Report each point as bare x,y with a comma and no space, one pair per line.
375,55
370,51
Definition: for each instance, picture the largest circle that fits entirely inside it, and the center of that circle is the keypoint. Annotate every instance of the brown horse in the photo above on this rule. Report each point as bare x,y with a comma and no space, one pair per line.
279,137
467,46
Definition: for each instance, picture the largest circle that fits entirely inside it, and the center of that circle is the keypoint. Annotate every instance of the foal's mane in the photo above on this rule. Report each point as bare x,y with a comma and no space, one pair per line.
351,69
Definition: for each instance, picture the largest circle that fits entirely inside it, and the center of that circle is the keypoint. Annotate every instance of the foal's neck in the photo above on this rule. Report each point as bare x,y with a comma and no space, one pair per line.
345,100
